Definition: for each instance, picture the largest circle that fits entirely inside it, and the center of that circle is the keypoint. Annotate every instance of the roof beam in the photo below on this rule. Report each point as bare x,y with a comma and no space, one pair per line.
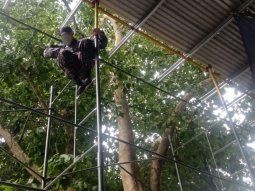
223,84
204,41
128,35
212,92
239,98
136,27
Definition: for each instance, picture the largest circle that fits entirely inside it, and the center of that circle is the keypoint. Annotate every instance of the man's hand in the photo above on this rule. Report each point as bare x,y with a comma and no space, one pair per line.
94,2
96,32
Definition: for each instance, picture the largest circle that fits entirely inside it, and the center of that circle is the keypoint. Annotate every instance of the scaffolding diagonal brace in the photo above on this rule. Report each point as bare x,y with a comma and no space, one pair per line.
231,124
77,159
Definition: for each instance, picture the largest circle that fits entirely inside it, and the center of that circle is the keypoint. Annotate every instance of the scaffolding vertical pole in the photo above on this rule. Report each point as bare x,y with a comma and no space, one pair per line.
230,123
100,162
213,157
47,140
75,122
175,164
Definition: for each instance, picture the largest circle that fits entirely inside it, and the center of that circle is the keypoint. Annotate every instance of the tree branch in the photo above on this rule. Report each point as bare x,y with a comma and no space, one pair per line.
163,146
17,151
126,152
73,18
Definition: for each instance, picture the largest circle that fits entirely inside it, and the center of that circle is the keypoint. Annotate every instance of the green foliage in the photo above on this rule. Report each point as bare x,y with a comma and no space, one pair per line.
151,110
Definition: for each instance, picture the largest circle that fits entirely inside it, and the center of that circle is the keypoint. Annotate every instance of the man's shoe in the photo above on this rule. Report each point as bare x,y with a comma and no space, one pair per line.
81,89
85,85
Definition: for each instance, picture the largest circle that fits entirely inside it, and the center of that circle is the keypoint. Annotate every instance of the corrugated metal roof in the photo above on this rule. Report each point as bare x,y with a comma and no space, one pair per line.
183,24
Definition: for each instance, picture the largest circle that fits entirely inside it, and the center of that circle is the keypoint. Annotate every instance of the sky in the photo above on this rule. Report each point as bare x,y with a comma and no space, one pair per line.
74,2
229,95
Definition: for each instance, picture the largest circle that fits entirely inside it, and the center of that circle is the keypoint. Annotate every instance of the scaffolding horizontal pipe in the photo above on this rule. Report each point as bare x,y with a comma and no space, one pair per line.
45,114
19,186
107,165
108,136
112,137
29,26
77,159
19,110
21,163
159,43
162,157
4,14
208,113
74,172
144,160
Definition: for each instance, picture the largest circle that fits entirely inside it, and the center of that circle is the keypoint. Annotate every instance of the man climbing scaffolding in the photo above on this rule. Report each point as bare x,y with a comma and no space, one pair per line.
76,57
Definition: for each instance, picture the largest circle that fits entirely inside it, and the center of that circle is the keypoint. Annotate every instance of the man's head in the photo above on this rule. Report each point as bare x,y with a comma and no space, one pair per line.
67,35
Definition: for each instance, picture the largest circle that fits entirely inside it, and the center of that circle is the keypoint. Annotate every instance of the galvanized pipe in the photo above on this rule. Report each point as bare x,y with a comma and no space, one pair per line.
75,122
87,116
175,164
19,186
29,26
213,157
77,159
100,160
60,93
230,123
47,141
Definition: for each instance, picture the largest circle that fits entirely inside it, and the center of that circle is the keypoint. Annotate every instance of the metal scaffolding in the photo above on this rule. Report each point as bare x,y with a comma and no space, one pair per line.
65,172
48,182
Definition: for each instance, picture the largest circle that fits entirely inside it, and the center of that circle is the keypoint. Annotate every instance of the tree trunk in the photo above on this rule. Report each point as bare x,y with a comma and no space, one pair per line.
126,152
163,146
17,151
156,165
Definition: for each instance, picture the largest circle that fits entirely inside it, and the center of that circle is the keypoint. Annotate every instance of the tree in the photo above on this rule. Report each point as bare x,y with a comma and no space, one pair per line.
132,110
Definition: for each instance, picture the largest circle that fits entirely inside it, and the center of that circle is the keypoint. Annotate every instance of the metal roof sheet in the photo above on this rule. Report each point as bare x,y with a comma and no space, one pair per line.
183,24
